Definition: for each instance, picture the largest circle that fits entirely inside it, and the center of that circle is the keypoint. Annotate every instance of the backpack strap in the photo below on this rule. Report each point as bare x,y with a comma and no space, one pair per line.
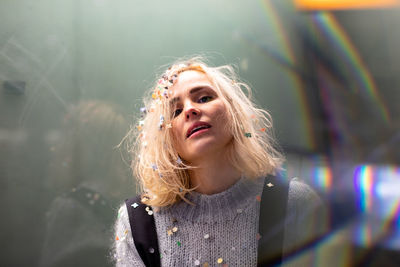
271,225
272,220
144,232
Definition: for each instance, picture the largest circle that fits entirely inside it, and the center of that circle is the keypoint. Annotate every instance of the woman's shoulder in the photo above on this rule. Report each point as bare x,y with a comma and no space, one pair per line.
307,217
122,220
302,199
124,250
300,192
306,207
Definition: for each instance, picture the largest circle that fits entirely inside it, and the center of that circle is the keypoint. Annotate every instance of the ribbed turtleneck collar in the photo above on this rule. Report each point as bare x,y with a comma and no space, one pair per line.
225,205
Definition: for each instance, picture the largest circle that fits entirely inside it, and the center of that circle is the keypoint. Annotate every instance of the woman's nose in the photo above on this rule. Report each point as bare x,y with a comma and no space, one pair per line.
192,111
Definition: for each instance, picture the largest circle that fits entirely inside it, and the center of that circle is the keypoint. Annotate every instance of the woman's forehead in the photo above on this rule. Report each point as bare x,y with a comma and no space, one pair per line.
188,80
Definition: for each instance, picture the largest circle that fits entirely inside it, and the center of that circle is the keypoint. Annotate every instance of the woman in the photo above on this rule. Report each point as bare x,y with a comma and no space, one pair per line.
202,151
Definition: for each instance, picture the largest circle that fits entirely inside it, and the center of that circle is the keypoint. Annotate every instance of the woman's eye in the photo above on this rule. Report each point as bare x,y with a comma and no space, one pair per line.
177,112
205,99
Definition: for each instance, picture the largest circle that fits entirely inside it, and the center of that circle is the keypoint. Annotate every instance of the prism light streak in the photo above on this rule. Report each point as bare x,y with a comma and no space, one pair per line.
323,177
389,194
379,199
363,185
296,82
288,60
273,17
332,30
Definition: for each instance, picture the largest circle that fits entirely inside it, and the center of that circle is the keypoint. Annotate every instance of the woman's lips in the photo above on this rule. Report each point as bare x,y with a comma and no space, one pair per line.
198,132
197,127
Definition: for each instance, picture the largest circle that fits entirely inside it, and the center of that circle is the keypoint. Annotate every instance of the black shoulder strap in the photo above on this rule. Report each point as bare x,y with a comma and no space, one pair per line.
271,225
272,220
144,231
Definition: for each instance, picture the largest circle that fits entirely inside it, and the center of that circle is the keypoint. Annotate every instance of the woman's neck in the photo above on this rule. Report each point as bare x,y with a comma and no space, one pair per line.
213,176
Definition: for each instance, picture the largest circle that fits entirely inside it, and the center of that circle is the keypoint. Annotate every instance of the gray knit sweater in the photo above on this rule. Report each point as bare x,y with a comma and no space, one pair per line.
221,229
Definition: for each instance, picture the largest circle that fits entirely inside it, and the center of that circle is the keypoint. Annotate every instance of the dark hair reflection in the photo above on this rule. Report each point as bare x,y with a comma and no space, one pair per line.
85,173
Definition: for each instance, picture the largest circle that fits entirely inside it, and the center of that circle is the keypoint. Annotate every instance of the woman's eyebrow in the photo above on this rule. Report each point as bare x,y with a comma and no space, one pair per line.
191,92
196,89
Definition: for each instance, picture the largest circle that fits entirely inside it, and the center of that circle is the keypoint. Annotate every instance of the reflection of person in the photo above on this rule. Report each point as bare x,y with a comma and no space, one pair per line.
87,169
202,152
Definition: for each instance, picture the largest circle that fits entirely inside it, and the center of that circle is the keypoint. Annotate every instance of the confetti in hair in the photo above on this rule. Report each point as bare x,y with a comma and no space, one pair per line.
161,170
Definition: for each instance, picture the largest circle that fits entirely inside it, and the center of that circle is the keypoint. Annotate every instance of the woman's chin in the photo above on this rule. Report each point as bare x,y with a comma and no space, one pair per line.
203,151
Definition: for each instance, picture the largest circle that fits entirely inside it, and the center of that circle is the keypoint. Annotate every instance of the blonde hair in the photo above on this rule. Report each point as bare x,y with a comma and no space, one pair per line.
162,175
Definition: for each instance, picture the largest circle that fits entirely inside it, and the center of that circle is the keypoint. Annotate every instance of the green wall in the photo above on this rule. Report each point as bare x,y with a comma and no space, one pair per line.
109,51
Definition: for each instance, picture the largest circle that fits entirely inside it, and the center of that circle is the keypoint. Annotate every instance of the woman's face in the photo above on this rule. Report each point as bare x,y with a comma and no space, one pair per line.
200,119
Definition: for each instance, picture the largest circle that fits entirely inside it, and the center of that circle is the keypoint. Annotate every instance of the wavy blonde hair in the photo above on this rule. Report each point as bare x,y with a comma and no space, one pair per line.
163,177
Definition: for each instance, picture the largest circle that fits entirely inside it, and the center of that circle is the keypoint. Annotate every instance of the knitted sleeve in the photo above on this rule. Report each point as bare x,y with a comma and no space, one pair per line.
306,223
125,253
